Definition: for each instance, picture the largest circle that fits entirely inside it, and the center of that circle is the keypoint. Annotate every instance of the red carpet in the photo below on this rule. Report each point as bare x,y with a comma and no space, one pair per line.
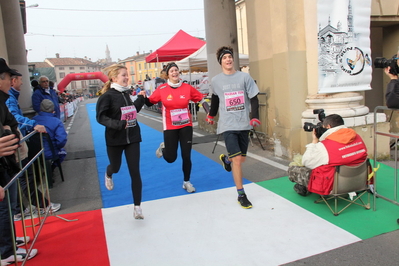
80,242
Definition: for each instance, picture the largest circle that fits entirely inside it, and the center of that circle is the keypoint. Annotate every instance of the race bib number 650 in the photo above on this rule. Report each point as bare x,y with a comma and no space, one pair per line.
234,100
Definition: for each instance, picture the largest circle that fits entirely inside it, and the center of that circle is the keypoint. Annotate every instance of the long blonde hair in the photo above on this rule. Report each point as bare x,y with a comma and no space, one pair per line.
112,72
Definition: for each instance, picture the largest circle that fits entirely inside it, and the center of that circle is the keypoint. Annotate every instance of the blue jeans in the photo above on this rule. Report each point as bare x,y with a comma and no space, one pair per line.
6,235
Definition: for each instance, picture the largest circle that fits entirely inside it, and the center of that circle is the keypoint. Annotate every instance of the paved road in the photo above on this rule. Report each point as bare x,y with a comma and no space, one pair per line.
80,191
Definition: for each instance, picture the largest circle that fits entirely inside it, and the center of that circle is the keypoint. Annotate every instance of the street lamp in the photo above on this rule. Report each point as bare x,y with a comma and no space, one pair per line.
23,8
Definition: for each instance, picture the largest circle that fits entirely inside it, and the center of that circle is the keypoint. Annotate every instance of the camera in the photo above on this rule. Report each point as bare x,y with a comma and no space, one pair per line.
382,62
319,126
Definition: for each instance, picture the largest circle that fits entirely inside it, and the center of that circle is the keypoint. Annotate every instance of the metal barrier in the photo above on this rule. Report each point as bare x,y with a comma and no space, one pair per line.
37,180
396,137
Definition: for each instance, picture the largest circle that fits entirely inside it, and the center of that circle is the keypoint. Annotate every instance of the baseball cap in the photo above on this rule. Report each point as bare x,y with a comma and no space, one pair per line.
4,68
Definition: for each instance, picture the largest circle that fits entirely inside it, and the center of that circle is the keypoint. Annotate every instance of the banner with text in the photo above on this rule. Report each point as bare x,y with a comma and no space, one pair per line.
344,45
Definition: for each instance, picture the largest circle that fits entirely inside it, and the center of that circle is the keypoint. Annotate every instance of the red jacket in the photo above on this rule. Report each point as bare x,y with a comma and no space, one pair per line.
175,111
344,147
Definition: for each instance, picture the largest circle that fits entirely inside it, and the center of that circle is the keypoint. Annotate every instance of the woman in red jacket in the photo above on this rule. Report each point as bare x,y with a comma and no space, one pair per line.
177,124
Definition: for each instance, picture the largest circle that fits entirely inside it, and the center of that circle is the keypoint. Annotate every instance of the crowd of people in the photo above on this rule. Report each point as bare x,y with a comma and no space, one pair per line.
13,126
234,98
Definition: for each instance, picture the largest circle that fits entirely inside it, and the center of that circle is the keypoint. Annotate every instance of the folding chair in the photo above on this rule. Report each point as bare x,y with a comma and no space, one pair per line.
349,179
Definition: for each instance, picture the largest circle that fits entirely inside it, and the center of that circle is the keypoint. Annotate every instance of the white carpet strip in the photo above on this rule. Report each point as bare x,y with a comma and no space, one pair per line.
210,228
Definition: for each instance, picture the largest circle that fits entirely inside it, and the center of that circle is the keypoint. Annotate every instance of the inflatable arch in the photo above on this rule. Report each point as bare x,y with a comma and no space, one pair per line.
81,76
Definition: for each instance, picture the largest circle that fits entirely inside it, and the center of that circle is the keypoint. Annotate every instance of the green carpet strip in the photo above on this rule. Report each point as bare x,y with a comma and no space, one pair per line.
355,219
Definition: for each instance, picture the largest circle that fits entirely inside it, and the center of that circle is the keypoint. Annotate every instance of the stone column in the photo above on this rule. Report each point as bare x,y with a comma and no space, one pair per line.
221,30
15,44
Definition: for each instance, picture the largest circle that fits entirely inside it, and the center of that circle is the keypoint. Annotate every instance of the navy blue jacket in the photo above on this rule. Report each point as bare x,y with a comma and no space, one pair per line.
55,129
40,94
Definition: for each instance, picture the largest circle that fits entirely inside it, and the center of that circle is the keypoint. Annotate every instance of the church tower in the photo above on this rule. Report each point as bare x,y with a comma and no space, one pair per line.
107,55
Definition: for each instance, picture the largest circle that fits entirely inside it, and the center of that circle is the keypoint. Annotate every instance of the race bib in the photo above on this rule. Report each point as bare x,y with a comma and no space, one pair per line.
129,113
234,101
179,117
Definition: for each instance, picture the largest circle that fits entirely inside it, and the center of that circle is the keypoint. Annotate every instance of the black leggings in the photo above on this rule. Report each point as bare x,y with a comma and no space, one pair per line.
171,140
132,155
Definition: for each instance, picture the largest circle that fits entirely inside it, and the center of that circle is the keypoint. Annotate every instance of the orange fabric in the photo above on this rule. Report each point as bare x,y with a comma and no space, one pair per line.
344,135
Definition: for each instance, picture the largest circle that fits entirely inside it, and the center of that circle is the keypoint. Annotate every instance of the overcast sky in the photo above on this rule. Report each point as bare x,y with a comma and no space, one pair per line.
126,26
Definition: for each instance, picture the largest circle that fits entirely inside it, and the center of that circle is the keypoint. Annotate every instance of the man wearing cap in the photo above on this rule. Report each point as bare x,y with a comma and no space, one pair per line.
44,91
54,127
234,96
10,144
26,125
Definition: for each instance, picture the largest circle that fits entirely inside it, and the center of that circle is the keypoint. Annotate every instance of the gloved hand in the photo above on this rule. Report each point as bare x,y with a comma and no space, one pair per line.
210,120
254,122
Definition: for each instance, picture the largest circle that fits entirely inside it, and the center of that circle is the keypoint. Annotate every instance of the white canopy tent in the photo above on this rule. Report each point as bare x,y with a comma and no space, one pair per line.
198,60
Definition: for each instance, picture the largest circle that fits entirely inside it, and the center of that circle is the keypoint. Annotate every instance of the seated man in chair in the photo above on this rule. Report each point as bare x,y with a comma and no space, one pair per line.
338,145
55,129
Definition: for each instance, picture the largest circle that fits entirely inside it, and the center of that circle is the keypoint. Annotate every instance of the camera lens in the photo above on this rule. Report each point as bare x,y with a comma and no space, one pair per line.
381,62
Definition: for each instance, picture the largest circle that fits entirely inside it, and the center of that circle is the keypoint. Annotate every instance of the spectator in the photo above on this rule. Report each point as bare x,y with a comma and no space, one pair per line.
35,84
392,94
44,91
54,127
25,126
8,146
338,145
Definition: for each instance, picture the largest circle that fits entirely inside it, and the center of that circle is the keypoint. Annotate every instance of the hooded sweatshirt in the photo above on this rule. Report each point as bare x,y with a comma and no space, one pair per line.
338,146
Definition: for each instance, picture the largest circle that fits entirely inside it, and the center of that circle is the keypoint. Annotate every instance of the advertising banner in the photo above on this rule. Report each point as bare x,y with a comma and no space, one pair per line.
344,45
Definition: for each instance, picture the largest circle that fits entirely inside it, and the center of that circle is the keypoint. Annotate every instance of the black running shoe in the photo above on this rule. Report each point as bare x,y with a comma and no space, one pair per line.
227,166
244,202
301,190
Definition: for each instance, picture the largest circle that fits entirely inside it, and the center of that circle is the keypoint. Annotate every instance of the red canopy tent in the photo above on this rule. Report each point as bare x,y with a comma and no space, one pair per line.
178,47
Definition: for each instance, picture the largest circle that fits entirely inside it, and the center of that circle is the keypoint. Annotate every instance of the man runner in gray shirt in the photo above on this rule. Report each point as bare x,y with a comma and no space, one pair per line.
234,96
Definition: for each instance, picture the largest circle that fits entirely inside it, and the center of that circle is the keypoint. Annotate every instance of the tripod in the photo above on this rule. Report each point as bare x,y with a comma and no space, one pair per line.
252,131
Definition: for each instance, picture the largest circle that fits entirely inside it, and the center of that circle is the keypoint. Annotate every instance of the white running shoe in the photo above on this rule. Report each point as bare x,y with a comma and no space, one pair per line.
138,213
20,241
55,206
109,183
159,152
188,186
21,255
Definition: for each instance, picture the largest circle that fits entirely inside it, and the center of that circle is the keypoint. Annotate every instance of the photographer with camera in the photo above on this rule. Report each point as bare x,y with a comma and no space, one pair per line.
391,69
338,145
392,93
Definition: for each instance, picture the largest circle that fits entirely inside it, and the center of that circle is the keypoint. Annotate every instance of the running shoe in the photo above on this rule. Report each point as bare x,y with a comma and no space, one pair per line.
138,213
188,186
55,206
21,255
109,183
27,214
226,166
244,202
159,151
20,241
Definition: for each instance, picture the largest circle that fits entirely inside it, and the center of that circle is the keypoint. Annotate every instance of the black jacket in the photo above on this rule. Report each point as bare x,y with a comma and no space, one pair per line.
7,119
392,94
109,114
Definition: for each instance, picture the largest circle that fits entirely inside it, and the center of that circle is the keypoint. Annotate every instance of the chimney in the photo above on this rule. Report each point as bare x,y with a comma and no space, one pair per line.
137,53
150,51
57,55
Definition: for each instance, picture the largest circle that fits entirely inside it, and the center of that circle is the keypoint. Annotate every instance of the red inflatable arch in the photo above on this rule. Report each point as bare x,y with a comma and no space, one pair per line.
81,76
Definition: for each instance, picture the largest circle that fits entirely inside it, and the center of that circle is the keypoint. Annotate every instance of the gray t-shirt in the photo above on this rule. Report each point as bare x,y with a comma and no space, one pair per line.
234,92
